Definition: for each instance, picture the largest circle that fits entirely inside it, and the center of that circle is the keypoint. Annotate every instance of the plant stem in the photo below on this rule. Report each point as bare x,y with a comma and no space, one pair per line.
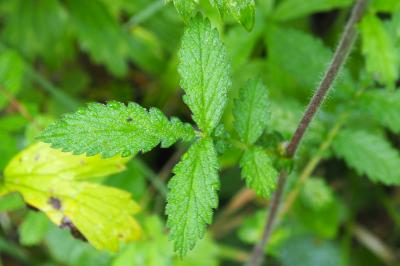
341,53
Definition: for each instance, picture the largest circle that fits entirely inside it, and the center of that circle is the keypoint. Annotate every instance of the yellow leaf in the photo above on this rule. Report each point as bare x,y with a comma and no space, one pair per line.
51,181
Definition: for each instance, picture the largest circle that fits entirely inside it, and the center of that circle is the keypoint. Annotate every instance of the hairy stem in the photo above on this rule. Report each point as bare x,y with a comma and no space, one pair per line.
341,53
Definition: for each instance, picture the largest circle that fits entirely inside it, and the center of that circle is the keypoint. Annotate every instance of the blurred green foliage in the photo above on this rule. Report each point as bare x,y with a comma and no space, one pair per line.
56,55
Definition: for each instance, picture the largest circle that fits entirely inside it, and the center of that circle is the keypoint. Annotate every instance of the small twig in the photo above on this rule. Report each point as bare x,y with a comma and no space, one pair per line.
341,53
374,244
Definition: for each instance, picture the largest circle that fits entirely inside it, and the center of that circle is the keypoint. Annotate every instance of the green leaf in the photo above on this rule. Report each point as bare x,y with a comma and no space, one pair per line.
251,111
100,35
382,59
291,68
290,9
185,8
242,10
390,6
310,252
152,250
369,154
12,70
205,73
115,128
384,106
258,171
33,228
51,181
316,193
192,195
32,27
205,253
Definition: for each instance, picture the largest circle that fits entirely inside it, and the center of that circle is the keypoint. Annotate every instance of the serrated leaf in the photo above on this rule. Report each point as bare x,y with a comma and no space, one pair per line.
258,171
185,8
205,73
192,195
384,106
290,9
382,59
115,128
369,154
242,10
251,111
99,34
51,181
32,27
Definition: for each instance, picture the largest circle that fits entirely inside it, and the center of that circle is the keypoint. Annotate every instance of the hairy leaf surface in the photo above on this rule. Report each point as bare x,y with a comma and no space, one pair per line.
115,128
258,171
205,73
192,195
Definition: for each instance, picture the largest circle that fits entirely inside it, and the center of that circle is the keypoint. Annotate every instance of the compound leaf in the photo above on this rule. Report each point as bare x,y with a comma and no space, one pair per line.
204,73
192,195
369,154
258,171
49,180
115,128
251,111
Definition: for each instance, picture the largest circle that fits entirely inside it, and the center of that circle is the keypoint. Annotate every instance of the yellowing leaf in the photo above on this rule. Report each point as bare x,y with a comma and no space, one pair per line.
50,181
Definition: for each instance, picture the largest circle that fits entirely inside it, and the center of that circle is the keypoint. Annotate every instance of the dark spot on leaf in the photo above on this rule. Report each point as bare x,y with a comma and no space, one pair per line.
129,119
32,208
67,223
55,203
82,162
37,157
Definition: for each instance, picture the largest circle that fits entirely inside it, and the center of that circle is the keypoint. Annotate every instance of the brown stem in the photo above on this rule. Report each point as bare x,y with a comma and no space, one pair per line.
341,53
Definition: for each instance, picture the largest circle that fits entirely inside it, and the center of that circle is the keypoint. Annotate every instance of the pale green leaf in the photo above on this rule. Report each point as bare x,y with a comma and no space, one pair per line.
115,128
50,181
369,154
384,106
192,195
205,73
205,253
258,171
290,9
251,111
382,59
